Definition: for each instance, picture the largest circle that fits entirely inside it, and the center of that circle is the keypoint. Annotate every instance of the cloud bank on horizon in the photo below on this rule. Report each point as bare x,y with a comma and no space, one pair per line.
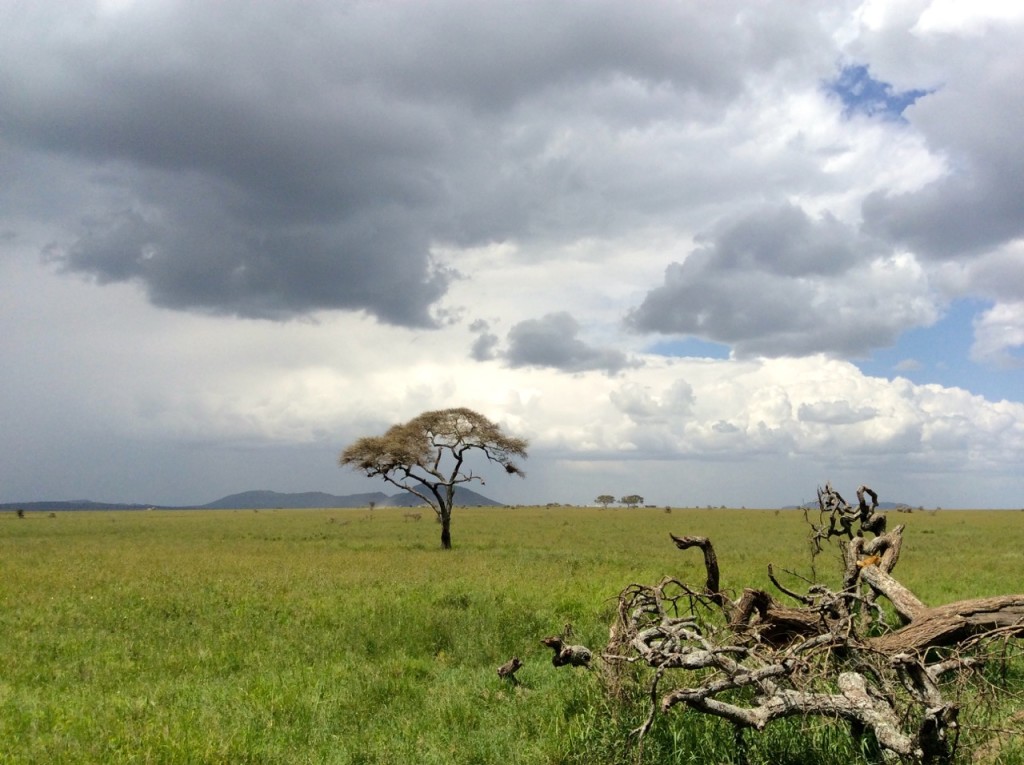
704,252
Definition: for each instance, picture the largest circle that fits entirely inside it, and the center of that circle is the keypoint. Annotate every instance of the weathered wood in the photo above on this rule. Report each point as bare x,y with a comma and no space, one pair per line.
903,600
833,655
954,623
710,563
758,612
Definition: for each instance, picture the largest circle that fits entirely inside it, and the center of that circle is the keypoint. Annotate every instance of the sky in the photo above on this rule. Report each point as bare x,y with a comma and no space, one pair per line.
704,252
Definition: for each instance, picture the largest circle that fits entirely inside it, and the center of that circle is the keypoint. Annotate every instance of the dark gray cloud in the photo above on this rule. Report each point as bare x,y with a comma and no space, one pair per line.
777,282
974,121
485,347
785,241
275,160
278,159
208,262
427,163
552,341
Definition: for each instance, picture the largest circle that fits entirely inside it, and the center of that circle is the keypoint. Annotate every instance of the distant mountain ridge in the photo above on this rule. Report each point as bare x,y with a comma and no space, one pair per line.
70,504
259,500
266,500
881,506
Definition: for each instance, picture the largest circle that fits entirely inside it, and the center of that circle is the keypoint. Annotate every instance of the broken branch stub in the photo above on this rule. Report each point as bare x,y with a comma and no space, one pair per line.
833,655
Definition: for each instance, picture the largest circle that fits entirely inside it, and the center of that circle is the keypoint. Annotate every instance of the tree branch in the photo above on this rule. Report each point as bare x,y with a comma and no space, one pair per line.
832,656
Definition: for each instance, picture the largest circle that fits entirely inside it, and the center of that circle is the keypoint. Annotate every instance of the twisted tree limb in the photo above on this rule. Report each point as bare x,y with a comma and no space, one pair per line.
831,656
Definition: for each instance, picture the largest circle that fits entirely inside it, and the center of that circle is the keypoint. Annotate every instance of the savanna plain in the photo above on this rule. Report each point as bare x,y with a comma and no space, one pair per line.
348,636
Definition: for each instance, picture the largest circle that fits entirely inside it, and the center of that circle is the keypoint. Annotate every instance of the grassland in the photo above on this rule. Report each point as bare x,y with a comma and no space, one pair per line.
341,636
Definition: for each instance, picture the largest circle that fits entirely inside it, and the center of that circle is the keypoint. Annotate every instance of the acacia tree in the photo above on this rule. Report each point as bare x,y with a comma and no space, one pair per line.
604,500
632,500
427,456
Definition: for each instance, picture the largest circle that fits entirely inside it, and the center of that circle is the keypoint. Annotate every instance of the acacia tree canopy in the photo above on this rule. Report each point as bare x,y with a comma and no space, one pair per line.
427,456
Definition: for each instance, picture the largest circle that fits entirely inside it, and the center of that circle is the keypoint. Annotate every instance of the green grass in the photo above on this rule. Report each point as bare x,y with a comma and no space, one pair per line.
341,636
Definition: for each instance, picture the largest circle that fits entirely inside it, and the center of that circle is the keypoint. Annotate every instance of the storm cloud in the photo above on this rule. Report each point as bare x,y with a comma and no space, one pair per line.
309,158
778,282
552,341
973,120
644,236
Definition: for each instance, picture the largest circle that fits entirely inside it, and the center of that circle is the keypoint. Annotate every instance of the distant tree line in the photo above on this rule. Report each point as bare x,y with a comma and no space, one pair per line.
630,500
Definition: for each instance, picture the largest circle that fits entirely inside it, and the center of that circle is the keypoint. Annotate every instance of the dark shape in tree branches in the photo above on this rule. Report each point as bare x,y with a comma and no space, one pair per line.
427,456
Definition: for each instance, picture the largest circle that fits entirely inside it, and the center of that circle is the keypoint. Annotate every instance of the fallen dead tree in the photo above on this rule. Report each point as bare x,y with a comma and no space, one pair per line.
839,654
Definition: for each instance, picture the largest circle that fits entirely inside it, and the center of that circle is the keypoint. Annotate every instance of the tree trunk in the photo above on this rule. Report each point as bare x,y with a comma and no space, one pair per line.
953,623
446,529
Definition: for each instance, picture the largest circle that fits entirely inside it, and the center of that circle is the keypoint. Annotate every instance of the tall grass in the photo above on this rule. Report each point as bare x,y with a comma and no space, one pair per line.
344,636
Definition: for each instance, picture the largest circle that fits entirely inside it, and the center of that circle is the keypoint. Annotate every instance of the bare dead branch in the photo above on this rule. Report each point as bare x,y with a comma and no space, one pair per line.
805,599
833,655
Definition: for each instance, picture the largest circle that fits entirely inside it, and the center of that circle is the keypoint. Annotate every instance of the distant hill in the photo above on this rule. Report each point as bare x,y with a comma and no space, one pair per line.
266,500
69,504
463,498
259,500
881,506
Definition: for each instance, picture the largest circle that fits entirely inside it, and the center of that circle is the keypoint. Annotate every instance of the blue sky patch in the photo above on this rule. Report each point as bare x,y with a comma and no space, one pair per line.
861,93
941,354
